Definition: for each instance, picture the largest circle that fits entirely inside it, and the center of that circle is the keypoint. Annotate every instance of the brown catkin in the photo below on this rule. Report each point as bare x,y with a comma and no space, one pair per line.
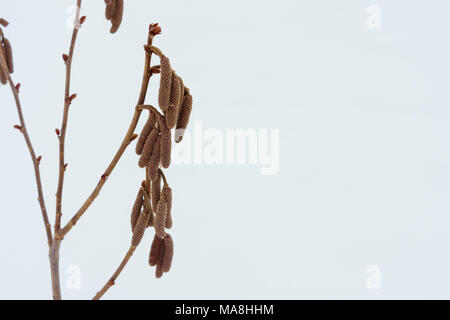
158,272
184,116
160,219
109,11
139,229
166,143
175,91
144,134
116,19
151,221
153,164
174,103
167,194
156,192
149,146
137,209
165,83
167,253
3,78
8,54
155,250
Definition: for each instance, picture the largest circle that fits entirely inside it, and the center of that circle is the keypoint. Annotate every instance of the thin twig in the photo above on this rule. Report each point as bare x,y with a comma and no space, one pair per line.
137,113
112,280
62,136
24,131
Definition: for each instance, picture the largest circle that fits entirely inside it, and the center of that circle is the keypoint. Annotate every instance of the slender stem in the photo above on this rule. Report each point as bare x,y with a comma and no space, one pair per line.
54,267
24,131
62,136
137,113
112,280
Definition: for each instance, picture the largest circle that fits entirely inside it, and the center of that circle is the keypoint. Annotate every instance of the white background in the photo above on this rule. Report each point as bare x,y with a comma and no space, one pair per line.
364,155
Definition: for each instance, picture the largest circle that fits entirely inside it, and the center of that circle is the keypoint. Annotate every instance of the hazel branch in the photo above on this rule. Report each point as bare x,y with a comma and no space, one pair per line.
126,140
24,131
67,102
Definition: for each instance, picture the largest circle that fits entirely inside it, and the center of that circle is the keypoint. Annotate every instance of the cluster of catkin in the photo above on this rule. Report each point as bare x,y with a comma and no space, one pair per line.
5,46
153,205
114,13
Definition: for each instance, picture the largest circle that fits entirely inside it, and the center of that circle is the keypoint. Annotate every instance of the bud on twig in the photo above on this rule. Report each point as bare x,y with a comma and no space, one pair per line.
65,57
16,126
73,96
39,159
58,133
82,20
17,87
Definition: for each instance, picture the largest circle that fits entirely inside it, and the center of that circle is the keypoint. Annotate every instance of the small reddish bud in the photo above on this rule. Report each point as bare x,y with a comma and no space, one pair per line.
65,57
57,132
39,159
82,20
72,97
154,29
17,87
16,126
65,166
155,69
133,137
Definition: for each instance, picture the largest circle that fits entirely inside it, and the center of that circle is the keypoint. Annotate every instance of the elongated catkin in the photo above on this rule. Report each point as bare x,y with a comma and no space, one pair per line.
151,221
116,19
167,194
165,83
153,164
149,146
155,250
144,134
185,114
109,11
174,103
156,192
158,272
167,253
166,143
160,219
3,78
136,209
8,54
139,229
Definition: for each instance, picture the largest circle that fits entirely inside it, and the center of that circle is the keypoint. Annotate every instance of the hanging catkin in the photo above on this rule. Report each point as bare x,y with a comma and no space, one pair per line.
165,83
167,194
159,272
149,146
137,208
3,78
160,219
153,164
8,55
166,143
144,133
156,192
174,103
139,229
167,253
116,19
155,250
184,116
109,11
